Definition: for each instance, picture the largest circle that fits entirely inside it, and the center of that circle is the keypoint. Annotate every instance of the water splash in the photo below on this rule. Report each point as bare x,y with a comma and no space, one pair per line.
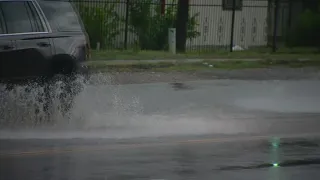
101,110
34,105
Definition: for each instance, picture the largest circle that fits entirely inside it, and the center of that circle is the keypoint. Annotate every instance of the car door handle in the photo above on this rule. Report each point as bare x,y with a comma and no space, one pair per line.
43,44
6,47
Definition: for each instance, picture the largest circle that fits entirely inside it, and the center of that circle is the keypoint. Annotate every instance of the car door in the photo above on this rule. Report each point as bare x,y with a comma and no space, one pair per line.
6,47
31,39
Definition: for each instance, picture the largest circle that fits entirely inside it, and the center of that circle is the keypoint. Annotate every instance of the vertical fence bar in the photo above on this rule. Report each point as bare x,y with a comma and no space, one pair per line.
275,25
290,14
232,24
126,25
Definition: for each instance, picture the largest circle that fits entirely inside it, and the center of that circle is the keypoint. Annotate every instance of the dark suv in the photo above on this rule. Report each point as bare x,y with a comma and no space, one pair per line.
40,39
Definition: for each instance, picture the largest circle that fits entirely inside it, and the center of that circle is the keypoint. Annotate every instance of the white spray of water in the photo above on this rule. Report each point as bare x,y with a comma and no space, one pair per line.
100,113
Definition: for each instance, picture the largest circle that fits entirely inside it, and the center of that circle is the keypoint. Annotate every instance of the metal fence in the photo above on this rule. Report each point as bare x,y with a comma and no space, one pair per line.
212,24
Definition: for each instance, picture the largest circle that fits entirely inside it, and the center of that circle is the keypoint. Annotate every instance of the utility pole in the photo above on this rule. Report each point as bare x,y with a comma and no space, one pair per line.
275,25
181,25
232,25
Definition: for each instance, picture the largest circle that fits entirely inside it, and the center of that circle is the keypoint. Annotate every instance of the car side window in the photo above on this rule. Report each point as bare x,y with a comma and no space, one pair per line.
61,15
2,24
35,20
21,17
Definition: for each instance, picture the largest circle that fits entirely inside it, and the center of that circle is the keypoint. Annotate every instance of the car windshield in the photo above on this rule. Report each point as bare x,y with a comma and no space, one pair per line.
159,89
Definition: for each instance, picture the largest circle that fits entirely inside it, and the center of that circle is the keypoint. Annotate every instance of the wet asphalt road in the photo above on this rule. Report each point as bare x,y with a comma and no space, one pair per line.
222,129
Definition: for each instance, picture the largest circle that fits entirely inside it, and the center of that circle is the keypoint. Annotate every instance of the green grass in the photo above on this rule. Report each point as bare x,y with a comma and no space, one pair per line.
105,66
261,53
285,57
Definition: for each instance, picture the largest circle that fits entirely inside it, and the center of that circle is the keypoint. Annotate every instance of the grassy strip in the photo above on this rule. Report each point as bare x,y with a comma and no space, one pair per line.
203,65
262,53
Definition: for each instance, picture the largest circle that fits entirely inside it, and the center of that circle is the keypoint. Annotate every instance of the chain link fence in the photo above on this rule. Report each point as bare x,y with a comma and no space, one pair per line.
212,24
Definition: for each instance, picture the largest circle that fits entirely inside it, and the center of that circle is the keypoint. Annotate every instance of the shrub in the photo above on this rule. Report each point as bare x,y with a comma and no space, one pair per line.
306,32
101,22
151,27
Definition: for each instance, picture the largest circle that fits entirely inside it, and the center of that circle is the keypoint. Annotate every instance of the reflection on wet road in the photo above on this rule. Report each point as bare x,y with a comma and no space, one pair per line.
219,129
271,158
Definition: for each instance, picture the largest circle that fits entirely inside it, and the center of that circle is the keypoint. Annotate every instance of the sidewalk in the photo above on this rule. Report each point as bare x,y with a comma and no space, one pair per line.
119,62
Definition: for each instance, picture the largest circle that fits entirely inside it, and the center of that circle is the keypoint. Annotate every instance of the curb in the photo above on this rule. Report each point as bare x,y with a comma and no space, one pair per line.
118,62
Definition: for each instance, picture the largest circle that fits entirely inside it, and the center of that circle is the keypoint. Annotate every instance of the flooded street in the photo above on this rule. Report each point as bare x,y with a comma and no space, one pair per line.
198,129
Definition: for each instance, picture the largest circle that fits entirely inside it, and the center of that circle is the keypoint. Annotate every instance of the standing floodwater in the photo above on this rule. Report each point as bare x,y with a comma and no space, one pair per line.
105,109
227,129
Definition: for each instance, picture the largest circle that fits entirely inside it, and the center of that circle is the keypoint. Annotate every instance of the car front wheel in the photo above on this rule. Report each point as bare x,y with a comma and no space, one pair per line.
61,92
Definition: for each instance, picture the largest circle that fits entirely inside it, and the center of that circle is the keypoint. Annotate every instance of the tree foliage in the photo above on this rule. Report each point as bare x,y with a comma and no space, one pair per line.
151,27
102,22
307,30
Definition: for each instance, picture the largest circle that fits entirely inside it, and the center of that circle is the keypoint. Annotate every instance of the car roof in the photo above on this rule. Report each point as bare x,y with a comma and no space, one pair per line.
15,0
30,0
